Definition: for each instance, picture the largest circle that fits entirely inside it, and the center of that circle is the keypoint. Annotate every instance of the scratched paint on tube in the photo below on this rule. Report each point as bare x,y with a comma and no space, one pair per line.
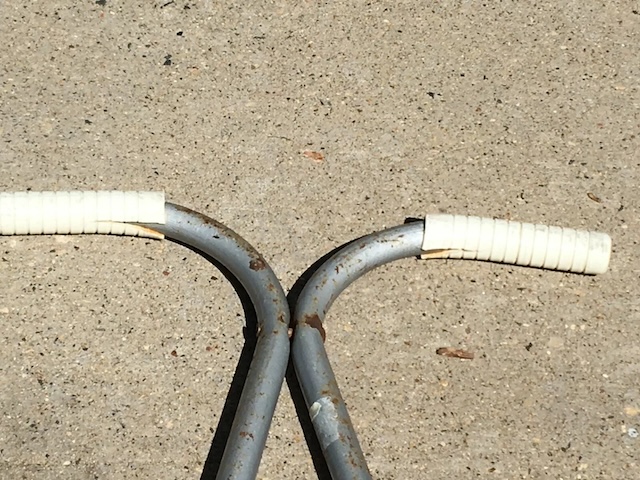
324,417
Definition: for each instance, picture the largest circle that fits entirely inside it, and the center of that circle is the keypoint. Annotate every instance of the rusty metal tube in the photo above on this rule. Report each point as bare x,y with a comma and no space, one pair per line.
257,404
327,410
147,214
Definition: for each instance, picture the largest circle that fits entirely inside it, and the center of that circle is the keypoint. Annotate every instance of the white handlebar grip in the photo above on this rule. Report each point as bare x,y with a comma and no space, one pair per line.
33,213
526,244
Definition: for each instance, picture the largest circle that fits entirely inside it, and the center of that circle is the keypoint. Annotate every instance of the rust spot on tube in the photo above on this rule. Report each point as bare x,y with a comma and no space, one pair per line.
257,264
314,322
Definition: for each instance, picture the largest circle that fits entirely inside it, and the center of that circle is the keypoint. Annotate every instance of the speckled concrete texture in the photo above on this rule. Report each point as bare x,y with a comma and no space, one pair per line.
302,125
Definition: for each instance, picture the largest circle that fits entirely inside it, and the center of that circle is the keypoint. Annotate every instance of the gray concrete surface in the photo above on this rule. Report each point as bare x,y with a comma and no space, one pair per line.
515,110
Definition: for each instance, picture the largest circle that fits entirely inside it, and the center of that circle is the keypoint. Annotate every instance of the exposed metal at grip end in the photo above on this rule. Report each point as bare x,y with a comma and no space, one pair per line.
526,244
108,212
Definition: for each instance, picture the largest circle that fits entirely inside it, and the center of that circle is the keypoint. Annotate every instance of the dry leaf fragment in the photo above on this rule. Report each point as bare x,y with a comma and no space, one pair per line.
455,353
594,198
317,157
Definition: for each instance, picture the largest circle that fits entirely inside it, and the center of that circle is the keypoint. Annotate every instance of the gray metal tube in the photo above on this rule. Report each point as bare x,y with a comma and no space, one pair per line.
257,404
327,410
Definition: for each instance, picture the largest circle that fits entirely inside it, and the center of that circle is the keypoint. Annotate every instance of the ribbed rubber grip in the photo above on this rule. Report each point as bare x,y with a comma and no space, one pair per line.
526,244
108,212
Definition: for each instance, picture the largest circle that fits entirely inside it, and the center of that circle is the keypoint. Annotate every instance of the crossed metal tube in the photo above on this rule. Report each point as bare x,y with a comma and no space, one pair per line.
327,410
257,402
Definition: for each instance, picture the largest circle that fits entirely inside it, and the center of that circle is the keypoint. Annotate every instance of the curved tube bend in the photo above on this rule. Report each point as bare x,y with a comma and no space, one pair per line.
329,415
257,404
439,236
147,214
